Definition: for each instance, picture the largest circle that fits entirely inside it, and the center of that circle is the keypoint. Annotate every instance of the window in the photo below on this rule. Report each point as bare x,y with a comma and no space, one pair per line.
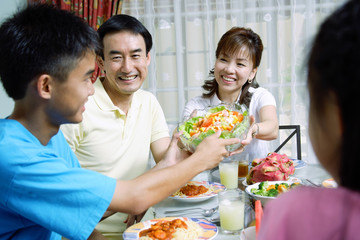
185,34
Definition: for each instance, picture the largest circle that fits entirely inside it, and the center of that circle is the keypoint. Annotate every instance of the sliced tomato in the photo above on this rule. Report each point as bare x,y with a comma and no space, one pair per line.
208,122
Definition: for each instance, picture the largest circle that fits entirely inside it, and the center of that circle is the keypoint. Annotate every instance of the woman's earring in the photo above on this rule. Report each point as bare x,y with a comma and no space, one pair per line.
250,80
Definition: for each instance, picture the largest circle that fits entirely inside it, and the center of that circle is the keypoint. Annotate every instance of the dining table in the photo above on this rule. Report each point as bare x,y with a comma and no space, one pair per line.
312,174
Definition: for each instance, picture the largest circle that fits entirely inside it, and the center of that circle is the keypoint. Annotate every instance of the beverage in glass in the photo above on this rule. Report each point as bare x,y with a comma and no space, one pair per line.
231,209
243,167
229,173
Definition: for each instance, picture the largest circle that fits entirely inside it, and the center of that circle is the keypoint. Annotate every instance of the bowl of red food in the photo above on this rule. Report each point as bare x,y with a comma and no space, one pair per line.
274,167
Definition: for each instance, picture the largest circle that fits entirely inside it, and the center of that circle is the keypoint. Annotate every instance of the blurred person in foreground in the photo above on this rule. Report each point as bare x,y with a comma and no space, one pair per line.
47,57
233,79
322,213
122,122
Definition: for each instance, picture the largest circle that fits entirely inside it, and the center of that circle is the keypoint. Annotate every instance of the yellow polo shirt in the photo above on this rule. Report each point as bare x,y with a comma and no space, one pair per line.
109,142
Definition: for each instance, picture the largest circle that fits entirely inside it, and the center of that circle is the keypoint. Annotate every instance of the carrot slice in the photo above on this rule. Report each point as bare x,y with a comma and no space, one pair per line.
258,215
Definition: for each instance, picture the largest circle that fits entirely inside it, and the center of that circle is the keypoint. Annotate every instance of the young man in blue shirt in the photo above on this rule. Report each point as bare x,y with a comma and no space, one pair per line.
47,57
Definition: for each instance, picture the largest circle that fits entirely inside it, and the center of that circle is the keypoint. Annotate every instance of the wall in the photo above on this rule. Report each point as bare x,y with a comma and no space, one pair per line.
7,8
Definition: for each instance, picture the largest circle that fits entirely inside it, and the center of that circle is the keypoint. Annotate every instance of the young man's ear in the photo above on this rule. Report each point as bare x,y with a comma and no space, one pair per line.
44,86
100,62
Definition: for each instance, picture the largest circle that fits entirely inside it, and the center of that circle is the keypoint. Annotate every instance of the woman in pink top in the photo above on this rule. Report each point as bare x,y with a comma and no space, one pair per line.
333,83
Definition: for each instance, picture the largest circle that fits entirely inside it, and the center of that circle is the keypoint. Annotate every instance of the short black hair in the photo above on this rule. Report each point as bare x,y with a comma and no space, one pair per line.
123,22
42,39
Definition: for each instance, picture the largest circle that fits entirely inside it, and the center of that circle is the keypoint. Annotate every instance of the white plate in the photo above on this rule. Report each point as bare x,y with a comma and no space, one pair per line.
216,188
248,233
210,229
265,199
291,179
298,164
245,183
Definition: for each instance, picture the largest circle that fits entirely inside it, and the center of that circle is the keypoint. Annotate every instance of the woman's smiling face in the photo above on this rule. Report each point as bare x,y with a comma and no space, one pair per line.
232,71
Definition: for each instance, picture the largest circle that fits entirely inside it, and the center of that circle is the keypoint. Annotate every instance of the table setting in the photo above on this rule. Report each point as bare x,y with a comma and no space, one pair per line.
229,203
205,209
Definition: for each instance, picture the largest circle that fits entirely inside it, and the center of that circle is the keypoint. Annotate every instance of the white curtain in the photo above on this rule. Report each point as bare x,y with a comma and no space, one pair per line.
185,35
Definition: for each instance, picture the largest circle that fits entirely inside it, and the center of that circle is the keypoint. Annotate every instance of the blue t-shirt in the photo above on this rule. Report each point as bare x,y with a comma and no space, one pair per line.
44,194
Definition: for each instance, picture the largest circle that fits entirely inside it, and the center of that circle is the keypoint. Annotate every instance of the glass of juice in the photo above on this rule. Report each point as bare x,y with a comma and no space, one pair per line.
228,170
243,166
231,210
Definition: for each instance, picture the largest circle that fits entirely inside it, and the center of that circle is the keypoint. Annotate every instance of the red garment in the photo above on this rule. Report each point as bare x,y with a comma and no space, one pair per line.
94,12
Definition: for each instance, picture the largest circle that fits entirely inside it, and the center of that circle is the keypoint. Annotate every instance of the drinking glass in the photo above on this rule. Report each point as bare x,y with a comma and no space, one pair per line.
243,167
228,169
231,209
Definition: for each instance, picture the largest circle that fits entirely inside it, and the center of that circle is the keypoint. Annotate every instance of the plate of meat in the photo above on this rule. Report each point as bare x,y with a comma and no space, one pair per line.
178,228
196,191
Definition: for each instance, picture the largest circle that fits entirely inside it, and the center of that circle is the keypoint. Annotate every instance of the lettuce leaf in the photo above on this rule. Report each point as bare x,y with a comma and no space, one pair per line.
216,109
188,126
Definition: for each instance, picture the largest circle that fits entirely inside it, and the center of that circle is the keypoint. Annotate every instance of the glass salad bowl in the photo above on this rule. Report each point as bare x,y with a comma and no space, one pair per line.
232,119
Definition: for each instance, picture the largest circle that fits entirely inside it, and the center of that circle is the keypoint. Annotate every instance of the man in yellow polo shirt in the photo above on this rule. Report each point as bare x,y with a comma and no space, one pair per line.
122,123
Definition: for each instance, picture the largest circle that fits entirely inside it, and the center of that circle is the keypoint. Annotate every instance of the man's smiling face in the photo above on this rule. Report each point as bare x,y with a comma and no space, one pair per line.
125,61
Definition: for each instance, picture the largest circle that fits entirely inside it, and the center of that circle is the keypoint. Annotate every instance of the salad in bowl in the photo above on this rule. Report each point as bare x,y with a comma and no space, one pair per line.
267,190
232,119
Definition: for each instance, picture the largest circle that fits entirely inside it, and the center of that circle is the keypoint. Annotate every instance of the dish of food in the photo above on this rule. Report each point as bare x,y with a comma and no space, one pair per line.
291,179
232,119
274,167
271,189
213,188
196,229
330,183
267,190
